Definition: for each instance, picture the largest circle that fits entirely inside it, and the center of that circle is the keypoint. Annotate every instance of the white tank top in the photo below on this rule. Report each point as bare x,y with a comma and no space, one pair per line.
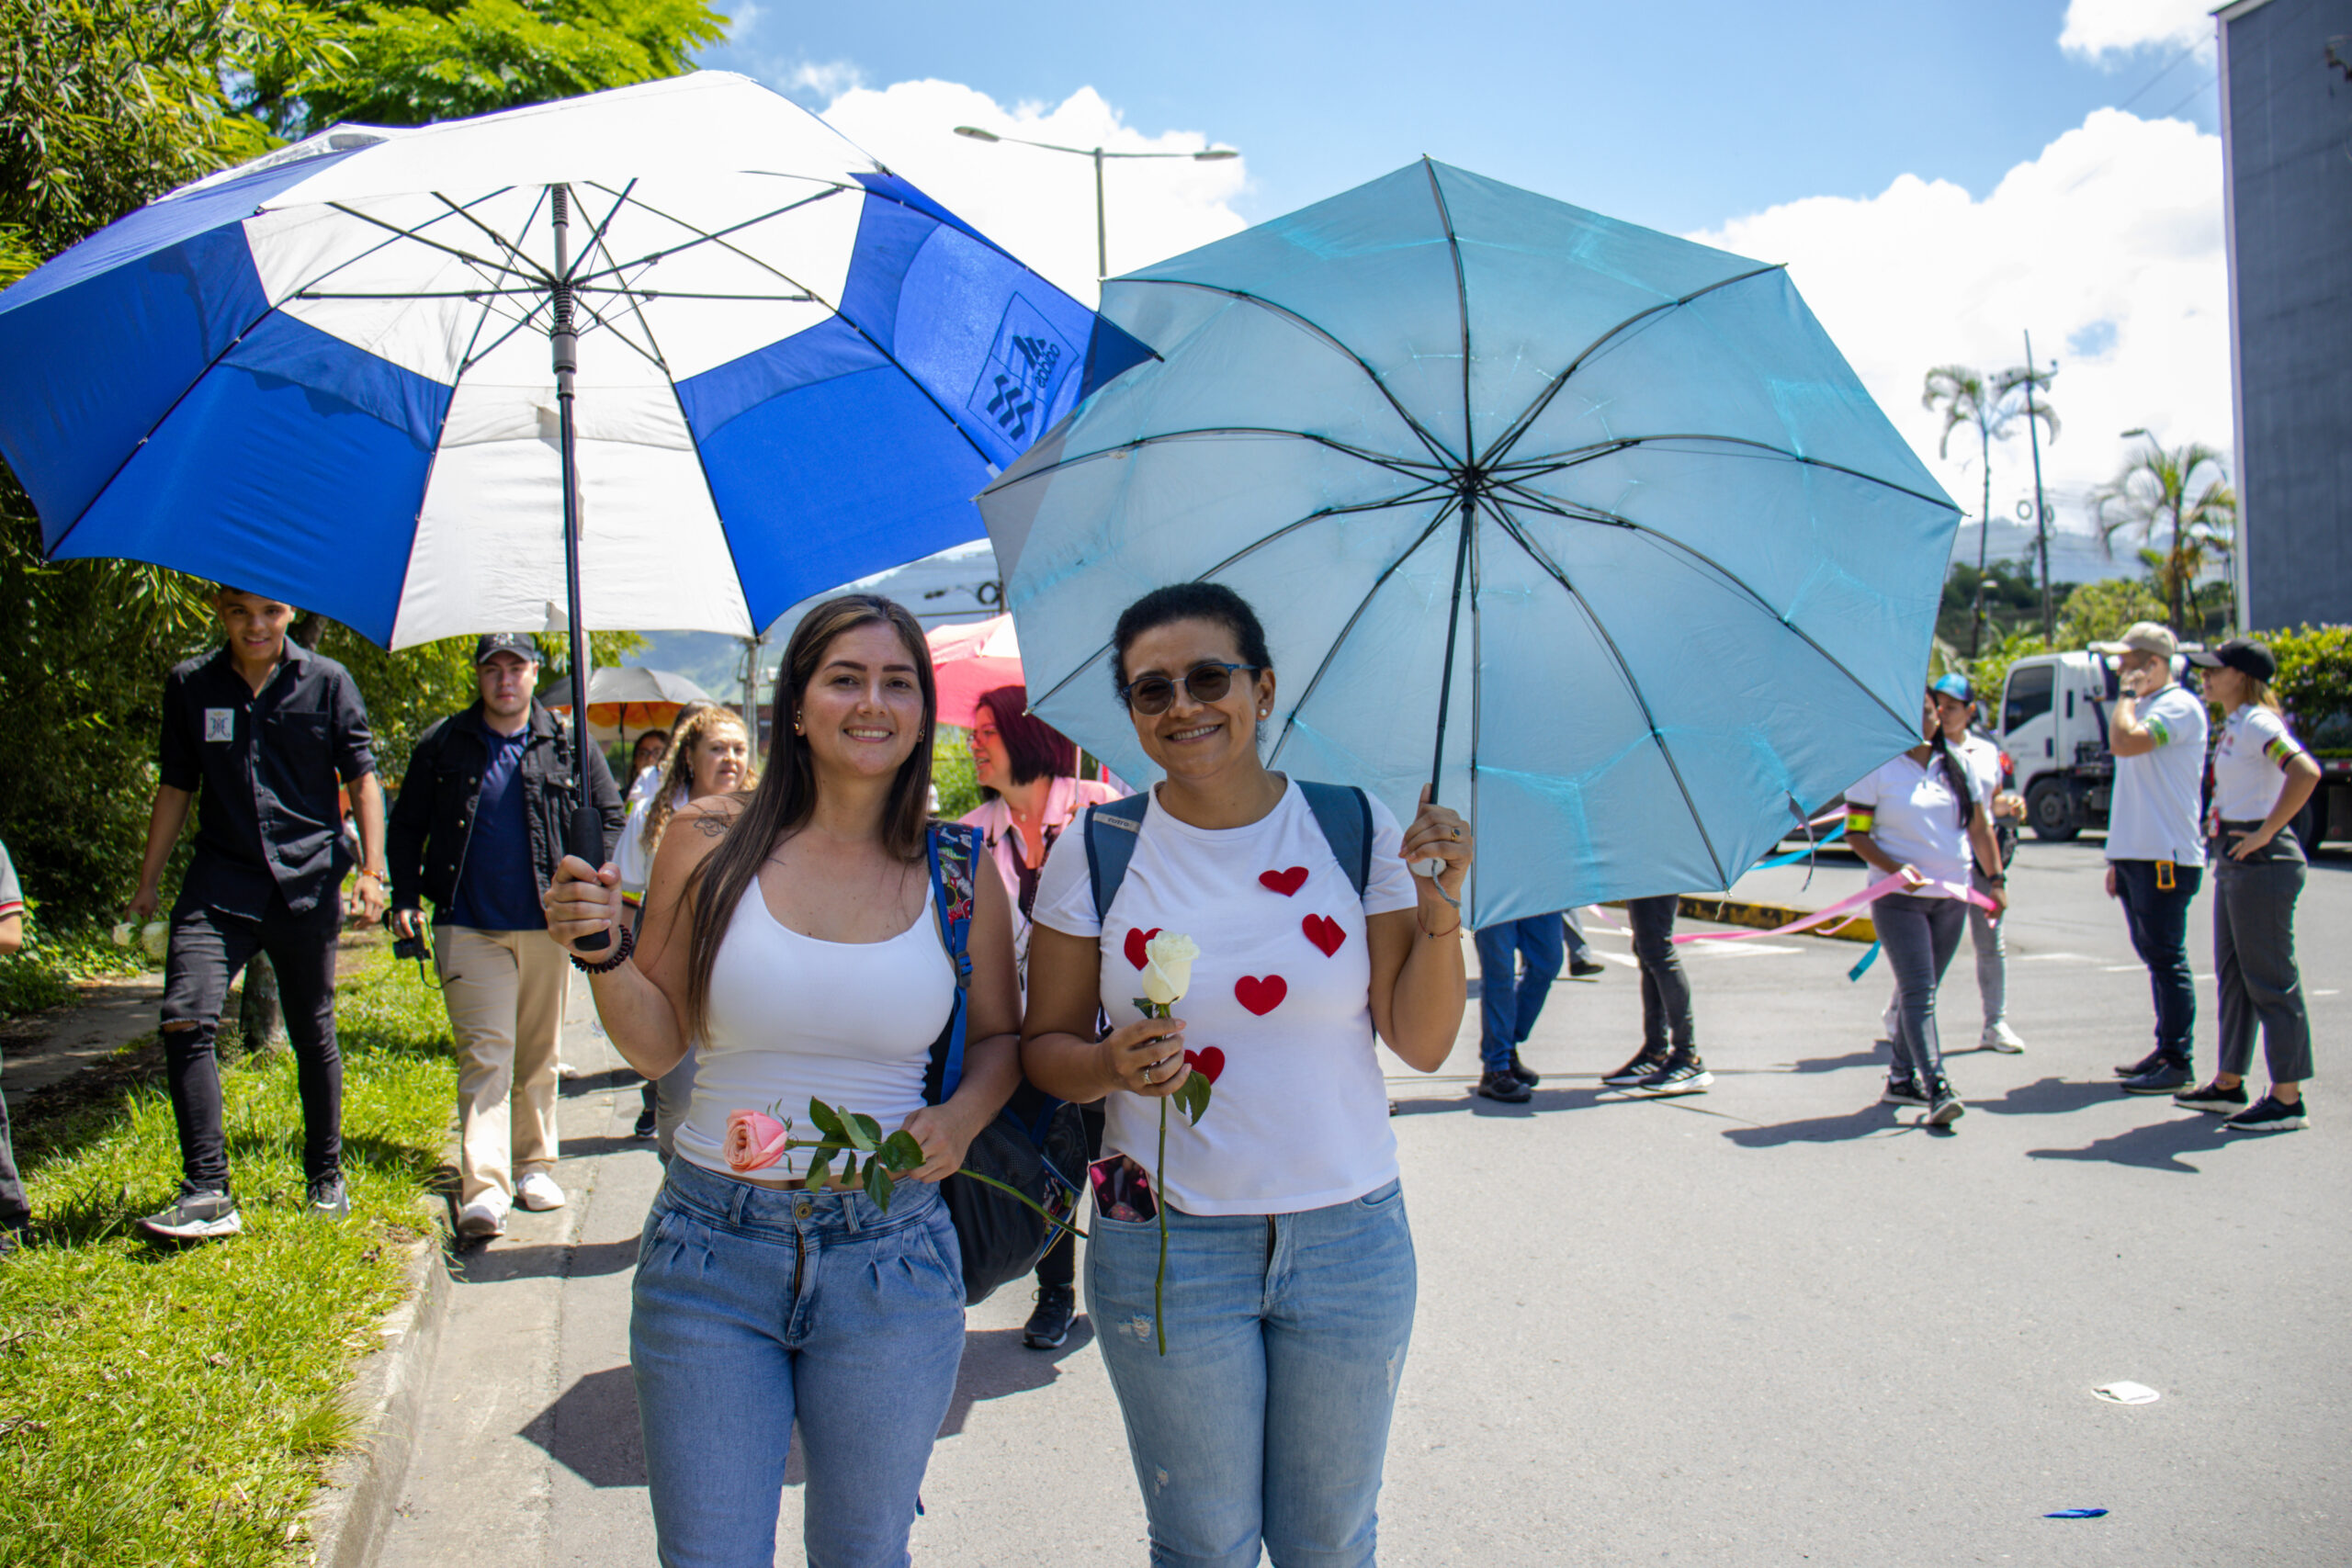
792,1017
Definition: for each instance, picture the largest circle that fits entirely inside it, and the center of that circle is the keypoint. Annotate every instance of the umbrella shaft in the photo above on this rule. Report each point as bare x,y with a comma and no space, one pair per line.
1453,630
587,828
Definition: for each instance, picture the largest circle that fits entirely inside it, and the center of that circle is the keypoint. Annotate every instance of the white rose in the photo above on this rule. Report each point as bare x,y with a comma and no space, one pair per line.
1167,967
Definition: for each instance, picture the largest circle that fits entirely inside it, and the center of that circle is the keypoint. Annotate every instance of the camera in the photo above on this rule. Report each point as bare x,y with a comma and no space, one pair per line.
404,947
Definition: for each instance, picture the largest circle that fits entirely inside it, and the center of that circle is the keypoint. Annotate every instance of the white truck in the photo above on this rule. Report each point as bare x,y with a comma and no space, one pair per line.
2053,718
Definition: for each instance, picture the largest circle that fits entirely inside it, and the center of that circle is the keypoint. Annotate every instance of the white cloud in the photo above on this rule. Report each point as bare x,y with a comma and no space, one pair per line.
1039,205
2107,32
821,78
2108,246
742,16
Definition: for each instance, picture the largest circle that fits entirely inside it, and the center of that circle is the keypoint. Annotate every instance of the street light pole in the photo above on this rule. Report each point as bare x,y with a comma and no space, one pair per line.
2041,506
1101,231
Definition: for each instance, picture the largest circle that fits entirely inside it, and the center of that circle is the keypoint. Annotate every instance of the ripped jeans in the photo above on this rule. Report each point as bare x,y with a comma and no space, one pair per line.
1267,1421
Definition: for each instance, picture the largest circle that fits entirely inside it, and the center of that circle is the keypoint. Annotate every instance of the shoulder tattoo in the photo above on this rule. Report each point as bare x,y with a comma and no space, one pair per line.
710,825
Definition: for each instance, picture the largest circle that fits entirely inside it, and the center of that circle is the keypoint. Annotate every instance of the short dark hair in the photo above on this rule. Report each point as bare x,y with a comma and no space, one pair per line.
1211,602
1035,748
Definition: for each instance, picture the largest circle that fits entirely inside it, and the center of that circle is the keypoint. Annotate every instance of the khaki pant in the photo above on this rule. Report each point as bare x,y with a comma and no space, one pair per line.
505,994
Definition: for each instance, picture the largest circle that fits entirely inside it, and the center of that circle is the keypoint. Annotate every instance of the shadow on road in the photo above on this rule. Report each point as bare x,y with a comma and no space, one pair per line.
1875,1056
1542,1100
591,1430
2157,1146
599,1083
998,1366
2049,1096
1870,1122
477,1264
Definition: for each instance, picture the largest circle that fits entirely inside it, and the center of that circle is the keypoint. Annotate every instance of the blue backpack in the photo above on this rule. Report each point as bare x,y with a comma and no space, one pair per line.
1036,1144
1342,811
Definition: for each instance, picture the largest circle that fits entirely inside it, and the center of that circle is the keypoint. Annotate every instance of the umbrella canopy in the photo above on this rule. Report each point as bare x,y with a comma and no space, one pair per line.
970,661
326,374
622,698
1593,524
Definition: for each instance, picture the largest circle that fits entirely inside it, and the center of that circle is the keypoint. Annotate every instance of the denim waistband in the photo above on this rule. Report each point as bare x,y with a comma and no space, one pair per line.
720,1199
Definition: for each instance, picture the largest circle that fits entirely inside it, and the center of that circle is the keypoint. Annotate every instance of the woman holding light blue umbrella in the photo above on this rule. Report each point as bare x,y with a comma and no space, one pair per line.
1591,526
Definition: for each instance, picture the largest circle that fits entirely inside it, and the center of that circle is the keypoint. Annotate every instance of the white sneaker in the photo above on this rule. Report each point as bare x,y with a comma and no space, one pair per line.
482,1219
537,1191
566,1070
1999,1036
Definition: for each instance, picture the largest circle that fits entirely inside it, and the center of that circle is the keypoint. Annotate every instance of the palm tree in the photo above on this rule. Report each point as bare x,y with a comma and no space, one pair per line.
2161,490
1992,405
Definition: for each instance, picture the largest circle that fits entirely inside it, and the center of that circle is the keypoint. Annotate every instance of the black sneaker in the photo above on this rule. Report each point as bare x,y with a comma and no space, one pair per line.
1524,1073
2168,1076
1586,969
329,1201
1048,1324
648,1122
2213,1097
196,1216
2148,1064
1683,1073
1504,1087
1643,1063
8,1243
1943,1105
2268,1114
1903,1089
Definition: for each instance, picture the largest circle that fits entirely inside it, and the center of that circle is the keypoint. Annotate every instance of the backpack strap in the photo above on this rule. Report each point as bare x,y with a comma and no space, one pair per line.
1344,813
1111,828
954,851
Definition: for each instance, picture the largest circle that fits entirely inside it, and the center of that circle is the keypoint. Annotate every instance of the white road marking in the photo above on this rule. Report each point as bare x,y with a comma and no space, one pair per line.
2055,958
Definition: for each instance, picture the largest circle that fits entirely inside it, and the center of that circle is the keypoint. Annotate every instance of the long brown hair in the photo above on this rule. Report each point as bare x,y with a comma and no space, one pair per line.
678,770
786,796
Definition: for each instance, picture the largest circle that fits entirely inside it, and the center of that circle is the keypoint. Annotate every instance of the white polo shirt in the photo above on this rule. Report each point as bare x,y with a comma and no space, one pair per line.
2250,763
2154,814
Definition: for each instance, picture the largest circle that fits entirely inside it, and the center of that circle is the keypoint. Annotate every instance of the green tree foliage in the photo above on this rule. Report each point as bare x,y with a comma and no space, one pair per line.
2094,612
2179,498
2012,598
446,59
2314,685
105,105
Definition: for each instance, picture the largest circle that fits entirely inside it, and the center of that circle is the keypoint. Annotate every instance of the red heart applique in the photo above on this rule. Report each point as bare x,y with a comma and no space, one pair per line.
1260,996
1324,932
1136,940
1284,881
1208,1063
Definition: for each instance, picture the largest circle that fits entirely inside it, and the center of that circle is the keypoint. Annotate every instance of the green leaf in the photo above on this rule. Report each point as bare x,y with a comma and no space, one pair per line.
820,1170
863,1132
878,1185
827,1121
1194,1098
900,1152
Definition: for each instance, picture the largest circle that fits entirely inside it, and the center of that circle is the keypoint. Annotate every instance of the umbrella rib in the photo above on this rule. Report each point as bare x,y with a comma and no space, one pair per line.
1536,466
1616,520
466,211
838,315
1397,464
1437,449
702,236
1511,528
1315,682
1281,532
1462,297
1521,425
466,256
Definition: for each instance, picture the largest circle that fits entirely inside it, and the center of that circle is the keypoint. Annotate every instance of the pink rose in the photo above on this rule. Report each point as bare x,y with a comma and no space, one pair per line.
755,1140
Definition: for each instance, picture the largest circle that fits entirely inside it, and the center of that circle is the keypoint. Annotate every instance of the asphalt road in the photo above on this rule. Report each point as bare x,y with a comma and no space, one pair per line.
1774,1323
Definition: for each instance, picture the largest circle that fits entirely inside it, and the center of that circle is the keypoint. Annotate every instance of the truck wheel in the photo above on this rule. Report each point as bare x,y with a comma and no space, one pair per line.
2050,807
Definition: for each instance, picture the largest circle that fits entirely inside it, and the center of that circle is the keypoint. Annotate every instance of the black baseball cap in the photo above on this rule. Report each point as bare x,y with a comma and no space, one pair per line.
516,643
2247,658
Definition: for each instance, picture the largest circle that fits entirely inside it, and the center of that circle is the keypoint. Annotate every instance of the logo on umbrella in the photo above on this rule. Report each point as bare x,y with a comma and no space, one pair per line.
1024,365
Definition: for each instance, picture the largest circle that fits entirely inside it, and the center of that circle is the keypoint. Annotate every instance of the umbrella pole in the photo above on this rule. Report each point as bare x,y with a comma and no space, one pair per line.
587,838
1453,630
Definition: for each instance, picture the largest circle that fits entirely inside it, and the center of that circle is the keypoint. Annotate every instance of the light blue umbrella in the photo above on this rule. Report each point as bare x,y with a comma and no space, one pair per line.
1593,525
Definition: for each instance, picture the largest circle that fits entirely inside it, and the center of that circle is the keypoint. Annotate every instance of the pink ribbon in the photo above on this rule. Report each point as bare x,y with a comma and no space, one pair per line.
1870,895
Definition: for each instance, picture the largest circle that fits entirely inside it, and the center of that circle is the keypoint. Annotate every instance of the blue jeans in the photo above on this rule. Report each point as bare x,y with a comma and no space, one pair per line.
1507,1002
756,1307
1267,1421
2158,921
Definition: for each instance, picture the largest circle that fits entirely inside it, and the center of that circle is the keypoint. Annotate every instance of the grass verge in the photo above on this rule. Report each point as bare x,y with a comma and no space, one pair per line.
179,1406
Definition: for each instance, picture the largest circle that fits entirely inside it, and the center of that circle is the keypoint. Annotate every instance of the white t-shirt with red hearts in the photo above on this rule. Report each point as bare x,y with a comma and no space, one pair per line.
1279,1014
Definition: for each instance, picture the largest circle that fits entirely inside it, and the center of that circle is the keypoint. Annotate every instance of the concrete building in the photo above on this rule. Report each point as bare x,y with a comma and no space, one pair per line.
2286,76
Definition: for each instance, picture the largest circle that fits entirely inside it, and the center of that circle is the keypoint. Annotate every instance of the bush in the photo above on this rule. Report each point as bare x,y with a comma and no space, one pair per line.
951,773
2314,685
2096,612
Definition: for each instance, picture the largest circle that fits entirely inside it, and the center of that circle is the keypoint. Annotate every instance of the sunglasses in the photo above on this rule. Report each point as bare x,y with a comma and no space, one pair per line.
1204,683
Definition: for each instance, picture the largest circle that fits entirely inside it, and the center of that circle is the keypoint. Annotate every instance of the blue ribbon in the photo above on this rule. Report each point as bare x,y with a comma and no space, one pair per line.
1859,970
1796,856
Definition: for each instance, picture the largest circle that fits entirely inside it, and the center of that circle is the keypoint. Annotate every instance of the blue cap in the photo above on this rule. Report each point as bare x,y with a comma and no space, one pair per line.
1955,687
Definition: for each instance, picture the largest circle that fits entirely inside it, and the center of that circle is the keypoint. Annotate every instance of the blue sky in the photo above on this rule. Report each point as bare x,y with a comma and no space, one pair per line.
1676,116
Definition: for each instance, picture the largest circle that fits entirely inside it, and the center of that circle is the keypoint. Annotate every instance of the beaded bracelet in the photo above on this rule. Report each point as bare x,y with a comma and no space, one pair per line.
619,957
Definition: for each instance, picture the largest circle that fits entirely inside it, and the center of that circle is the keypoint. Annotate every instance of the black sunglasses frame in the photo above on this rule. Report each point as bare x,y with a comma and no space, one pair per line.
1127,688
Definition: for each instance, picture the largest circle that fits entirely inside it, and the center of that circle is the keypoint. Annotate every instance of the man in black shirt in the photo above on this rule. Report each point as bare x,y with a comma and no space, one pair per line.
478,828
263,732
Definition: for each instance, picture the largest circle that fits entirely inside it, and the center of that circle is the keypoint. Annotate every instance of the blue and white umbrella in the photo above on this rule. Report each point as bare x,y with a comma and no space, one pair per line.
1593,525
326,374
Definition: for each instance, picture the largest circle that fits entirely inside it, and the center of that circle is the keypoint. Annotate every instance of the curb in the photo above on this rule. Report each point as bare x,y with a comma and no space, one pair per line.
345,1522
1767,917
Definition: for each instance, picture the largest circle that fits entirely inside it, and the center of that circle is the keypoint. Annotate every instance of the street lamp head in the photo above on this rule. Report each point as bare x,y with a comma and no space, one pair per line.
1214,154
976,134
2139,430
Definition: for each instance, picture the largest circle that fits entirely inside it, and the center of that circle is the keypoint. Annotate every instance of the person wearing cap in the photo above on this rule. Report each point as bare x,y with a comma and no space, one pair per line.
2155,855
2262,776
1955,701
259,739
480,824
